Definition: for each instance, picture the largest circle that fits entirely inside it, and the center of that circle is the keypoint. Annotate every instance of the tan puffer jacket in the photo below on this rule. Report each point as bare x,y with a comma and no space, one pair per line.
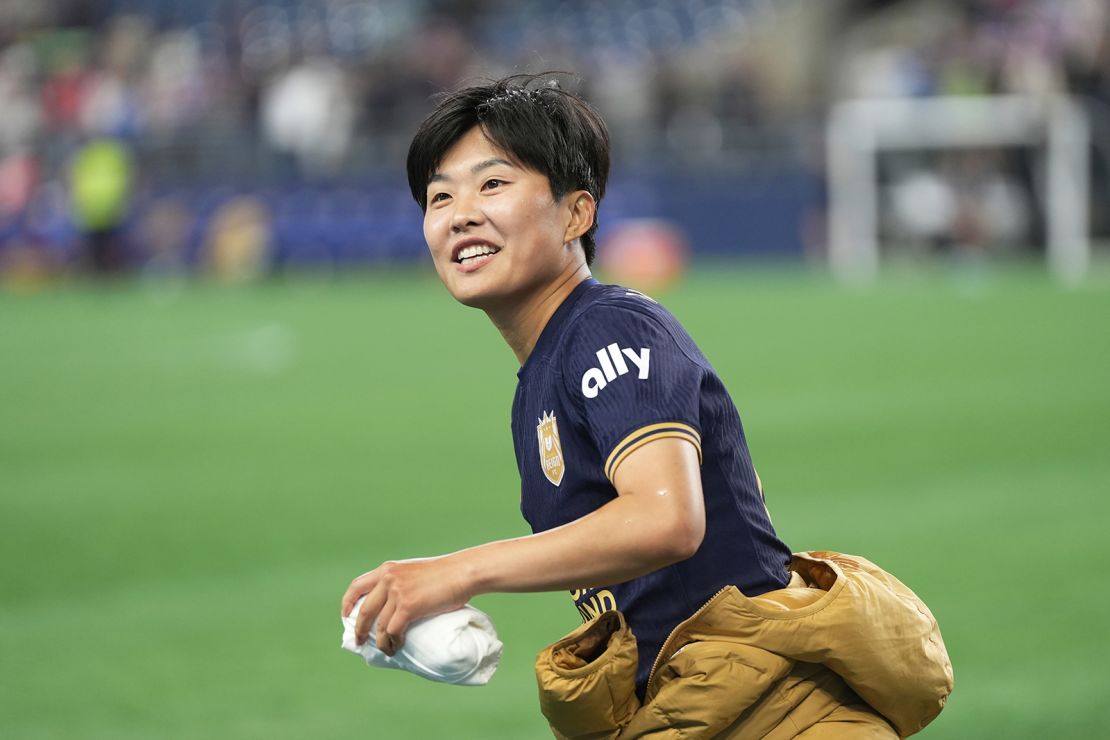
844,651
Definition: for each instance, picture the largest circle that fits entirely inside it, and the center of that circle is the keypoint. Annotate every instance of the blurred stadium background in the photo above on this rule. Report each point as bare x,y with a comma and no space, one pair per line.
229,380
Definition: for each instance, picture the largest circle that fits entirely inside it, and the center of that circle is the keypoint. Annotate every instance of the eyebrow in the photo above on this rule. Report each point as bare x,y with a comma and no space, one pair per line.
483,165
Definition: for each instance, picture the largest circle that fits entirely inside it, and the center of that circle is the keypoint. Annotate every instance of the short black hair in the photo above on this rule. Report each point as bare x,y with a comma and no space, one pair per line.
544,127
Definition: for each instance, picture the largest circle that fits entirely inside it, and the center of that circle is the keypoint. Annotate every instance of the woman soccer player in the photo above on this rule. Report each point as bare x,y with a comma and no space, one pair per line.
635,474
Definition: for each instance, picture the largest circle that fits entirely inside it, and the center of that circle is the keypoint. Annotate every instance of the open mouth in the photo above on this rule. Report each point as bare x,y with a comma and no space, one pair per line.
475,253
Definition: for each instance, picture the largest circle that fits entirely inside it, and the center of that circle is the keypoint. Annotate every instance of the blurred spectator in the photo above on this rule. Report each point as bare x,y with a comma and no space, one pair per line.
237,246
307,112
18,178
18,100
923,207
63,89
174,91
162,234
100,182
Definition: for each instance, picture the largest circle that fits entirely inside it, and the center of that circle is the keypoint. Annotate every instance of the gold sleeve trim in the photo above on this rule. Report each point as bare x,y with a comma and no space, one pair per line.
650,433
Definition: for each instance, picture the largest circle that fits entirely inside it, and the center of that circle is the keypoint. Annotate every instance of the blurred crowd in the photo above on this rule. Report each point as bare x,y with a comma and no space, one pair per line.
980,200
243,132
983,47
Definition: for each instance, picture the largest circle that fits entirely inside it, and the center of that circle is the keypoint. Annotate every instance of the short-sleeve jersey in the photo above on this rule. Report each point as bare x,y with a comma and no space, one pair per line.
612,371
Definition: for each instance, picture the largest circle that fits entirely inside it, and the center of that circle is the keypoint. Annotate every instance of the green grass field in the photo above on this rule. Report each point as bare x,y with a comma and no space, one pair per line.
190,475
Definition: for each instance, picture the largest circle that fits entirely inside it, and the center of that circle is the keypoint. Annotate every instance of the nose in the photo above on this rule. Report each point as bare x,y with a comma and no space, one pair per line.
466,214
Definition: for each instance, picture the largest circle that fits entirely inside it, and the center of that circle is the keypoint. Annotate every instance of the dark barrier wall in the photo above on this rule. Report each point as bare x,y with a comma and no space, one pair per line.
745,215
376,222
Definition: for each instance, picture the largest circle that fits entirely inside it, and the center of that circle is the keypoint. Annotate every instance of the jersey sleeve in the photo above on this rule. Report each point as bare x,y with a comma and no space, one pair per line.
631,381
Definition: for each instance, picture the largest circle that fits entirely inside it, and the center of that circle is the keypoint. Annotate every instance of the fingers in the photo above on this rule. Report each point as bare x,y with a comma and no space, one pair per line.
379,609
385,638
358,588
395,594
371,607
394,631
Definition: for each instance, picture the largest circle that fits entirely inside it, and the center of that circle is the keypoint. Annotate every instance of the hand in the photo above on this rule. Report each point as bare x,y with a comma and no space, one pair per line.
398,592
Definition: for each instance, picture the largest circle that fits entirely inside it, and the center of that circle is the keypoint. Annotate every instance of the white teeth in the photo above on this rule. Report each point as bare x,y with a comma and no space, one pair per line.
476,250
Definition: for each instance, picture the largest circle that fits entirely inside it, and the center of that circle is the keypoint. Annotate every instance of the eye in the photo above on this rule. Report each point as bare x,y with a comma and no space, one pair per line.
438,197
492,183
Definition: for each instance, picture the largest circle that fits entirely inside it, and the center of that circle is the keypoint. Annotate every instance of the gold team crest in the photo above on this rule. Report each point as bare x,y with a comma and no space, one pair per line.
551,449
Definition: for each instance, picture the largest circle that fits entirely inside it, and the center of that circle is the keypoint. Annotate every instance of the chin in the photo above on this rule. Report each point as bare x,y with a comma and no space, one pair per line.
473,296
474,301
484,289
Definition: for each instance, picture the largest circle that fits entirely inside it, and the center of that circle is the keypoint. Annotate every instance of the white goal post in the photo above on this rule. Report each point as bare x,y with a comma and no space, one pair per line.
858,130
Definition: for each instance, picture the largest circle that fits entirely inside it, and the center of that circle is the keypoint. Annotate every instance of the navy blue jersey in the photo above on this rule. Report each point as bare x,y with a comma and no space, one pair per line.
612,371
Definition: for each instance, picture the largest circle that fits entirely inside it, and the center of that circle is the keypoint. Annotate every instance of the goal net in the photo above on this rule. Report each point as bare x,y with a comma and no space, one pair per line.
860,131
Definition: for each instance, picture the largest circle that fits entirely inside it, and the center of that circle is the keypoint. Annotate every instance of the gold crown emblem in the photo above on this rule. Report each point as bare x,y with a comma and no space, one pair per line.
551,449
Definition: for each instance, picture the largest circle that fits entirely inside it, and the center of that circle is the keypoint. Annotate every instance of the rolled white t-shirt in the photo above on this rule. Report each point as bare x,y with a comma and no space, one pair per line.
459,647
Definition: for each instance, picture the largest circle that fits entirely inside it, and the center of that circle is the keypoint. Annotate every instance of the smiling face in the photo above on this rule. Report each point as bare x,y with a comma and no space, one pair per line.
497,235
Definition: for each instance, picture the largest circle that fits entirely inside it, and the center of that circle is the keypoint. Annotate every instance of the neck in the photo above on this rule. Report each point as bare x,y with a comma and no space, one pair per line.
522,323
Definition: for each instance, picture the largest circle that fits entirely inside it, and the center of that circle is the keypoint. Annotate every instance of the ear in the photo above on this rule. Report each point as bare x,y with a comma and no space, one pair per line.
583,209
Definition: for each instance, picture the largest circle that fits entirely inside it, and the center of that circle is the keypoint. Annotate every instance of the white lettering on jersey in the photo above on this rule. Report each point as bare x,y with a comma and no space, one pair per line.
640,361
612,366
